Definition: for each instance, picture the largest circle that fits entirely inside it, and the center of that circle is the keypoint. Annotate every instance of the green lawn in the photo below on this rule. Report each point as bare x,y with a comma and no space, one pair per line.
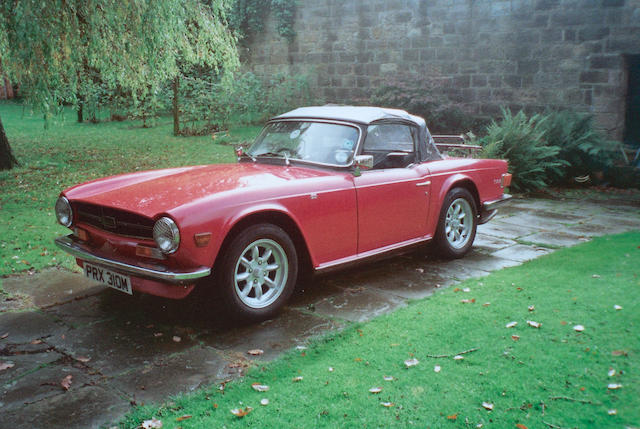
68,153
547,377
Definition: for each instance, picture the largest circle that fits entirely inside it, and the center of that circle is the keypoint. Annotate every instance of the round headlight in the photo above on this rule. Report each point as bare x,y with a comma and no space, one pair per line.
166,235
64,212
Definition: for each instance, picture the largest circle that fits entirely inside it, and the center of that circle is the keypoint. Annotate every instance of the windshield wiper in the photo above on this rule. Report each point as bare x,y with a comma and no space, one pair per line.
283,154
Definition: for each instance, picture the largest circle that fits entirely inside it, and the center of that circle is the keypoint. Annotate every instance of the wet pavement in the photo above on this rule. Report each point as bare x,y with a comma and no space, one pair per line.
121,350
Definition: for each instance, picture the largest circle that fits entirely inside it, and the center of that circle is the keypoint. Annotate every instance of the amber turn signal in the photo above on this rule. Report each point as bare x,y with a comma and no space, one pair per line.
149,252
82,234
506,180
202,239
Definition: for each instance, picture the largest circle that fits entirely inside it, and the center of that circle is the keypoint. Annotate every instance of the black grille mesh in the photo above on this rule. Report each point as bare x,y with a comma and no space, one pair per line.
115,221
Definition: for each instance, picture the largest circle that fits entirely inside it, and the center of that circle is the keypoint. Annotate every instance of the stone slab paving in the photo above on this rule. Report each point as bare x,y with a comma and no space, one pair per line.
123,350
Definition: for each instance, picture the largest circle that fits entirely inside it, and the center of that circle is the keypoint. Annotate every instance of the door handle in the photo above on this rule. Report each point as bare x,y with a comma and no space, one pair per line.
427,183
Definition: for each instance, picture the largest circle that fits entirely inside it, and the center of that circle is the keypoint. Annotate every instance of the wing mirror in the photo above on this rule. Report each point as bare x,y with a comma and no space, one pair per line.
364,162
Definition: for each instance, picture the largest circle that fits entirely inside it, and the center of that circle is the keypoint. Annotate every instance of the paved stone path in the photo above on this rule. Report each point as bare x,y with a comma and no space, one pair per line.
123,350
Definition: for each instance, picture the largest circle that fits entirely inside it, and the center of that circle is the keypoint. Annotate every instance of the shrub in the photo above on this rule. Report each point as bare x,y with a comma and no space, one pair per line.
419,96
582,147
521,140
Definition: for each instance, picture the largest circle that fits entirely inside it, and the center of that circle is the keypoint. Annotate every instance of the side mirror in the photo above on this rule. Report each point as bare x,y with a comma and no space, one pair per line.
363,162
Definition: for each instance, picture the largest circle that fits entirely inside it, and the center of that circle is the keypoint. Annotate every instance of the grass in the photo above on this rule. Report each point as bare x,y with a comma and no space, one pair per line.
68,153
552,375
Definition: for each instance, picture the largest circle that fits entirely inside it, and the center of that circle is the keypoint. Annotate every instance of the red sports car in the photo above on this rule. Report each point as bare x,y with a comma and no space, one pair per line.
320,188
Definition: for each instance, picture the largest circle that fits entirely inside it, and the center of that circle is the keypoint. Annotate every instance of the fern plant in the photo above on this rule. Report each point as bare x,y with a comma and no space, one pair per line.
521,140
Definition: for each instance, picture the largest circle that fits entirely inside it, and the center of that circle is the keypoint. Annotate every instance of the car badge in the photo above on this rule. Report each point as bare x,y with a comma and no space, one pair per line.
109,222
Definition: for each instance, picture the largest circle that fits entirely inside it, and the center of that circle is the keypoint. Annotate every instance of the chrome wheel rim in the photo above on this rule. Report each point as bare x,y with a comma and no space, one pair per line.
459,223
261,273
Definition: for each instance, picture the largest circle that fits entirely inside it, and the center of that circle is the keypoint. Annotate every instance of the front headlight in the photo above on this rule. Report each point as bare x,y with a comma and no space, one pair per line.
64,212
166,235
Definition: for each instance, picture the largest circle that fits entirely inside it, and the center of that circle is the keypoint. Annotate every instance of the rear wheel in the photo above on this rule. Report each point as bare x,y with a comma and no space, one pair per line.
457,224
258,271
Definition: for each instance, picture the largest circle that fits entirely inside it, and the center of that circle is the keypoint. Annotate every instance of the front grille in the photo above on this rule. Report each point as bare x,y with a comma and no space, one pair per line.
116,221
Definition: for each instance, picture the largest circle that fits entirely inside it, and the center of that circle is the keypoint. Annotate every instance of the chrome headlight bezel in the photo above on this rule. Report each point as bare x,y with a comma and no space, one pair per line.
64,212
166,235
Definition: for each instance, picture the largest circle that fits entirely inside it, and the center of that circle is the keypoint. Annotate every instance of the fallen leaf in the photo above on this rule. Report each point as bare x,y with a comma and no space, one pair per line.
468,301
452,416
260,387
176,338
612,412
358,359
238,412
298,378
456,289
533,324
301,347
515,337
83,359
487,406
578,328
66,382
3,336
215,406
531,307
6,365
437,368
411,362
563,323
611,372
596,276
617,307
185,417
466,289
255,352
375,390
387,404
486,304
36,342
521,426
152,424
264,402
511,324
387,378
614,386
619,353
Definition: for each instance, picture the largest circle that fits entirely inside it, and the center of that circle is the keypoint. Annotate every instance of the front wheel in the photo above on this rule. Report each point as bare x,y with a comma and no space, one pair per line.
457,224
258,271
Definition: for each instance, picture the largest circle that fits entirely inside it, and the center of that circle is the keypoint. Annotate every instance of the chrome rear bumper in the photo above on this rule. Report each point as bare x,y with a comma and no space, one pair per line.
81,251
490,208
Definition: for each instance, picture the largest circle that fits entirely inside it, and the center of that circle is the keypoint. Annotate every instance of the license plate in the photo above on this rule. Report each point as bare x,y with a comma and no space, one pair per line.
112,279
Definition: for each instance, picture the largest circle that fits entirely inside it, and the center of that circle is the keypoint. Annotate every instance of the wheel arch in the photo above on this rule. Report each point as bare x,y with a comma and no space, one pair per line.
274,217
461,181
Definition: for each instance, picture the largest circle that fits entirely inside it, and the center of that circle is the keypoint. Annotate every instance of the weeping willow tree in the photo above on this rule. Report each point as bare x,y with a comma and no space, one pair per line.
135,45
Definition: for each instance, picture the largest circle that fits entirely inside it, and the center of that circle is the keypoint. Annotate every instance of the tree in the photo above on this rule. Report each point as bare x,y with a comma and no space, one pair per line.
134,45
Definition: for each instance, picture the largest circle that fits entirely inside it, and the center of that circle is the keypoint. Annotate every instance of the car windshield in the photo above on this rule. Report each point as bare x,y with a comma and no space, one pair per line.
316,142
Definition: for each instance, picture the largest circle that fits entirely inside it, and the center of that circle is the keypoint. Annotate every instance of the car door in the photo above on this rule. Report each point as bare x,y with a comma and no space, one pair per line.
393,196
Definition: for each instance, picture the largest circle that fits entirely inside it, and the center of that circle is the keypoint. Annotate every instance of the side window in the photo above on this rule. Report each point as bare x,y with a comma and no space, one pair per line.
392,145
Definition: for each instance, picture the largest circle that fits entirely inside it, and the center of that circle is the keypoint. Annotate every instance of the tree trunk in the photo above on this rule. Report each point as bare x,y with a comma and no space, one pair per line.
7,160
80,113
176,112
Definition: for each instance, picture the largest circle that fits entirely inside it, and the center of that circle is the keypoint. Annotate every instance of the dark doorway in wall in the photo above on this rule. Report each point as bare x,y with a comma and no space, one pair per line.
632,115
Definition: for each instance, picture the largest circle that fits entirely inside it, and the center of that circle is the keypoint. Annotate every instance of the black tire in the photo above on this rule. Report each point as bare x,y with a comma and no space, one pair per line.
454,235
250,290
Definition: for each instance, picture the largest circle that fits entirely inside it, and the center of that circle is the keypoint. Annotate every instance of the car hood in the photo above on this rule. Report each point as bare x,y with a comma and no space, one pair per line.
154,192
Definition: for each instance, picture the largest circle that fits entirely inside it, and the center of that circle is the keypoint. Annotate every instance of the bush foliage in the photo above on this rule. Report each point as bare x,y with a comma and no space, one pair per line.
548,149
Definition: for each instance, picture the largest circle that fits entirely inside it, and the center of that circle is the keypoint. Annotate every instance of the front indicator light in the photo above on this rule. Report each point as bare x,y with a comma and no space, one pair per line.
202,239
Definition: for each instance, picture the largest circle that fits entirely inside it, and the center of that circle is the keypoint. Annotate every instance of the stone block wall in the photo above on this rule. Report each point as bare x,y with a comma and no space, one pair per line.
478,54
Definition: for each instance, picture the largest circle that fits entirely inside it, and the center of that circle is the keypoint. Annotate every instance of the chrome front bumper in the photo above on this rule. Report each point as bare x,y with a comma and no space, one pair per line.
490,208
81,251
